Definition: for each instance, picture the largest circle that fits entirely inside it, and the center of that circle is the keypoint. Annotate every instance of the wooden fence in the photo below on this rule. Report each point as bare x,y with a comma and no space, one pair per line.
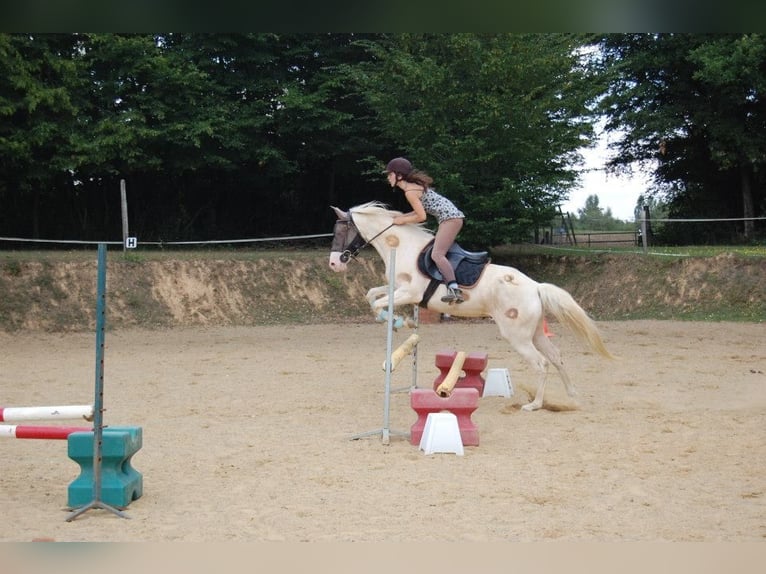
593,238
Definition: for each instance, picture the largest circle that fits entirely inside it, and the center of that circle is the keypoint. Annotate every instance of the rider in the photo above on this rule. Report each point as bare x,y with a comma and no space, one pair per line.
424,201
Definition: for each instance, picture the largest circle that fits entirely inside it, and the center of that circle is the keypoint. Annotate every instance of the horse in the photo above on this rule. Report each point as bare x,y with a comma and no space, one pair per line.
516,303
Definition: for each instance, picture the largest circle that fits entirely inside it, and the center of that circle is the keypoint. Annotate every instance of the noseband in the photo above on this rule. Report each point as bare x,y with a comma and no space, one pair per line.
342,230
356,244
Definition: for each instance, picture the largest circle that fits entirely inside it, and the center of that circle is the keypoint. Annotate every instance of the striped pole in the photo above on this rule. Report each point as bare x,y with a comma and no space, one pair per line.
41,432
16,414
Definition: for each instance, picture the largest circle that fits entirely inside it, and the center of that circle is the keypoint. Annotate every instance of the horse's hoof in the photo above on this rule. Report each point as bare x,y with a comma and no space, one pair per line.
530,407
382,317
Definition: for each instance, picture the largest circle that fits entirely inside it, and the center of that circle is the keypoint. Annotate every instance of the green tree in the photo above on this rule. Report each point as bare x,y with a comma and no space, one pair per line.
151,107
497,119
38,113
220,135
593,217
292,132
325,128
693,103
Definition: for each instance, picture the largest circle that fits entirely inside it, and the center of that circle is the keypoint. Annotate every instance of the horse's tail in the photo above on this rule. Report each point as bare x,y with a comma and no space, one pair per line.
562,305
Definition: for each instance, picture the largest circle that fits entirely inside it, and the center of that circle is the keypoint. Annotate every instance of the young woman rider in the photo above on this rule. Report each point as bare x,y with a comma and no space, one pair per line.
424,201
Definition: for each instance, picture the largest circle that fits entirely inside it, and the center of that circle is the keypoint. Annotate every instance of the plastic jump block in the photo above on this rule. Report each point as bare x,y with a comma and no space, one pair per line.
473,366
120,482
462,403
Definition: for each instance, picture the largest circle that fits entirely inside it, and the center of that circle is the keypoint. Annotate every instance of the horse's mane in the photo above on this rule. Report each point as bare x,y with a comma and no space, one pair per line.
378,208
375,208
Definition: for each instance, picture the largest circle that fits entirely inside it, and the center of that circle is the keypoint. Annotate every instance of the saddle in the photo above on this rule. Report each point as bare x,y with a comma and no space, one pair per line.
468,266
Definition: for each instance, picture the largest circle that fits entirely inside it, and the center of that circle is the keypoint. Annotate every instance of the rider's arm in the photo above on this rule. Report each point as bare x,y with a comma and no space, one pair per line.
418,213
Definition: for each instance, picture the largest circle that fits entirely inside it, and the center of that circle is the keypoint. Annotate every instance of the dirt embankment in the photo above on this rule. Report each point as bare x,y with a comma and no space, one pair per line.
616,287
60,295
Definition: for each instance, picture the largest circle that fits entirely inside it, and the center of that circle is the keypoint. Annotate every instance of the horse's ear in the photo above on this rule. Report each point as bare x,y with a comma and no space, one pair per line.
342,215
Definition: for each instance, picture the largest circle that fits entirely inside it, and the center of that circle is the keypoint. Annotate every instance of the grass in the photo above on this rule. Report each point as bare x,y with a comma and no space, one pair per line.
11,258
757,251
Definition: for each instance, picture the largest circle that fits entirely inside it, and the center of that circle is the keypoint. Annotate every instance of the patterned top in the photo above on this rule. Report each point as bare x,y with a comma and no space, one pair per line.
439,206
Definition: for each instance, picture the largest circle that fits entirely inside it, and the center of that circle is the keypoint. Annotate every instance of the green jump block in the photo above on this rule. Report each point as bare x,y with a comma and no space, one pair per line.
120,482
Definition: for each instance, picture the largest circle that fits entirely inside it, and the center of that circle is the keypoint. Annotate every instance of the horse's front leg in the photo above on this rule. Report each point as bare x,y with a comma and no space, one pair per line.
402,296
381,315
375,293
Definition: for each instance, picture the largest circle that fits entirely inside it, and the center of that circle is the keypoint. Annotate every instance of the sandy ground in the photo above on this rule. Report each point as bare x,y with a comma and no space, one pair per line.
247,436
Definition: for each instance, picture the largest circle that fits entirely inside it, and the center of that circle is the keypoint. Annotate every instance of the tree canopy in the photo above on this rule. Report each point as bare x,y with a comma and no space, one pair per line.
224,136
692,105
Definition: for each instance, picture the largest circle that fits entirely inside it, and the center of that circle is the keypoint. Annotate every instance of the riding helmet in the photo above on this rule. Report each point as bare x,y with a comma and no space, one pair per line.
399,165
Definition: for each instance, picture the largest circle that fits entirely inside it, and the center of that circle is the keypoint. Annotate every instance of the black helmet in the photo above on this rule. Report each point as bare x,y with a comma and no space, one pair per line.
399,165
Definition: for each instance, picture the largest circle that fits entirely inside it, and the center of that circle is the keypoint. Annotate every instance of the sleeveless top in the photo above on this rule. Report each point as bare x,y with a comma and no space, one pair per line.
439,206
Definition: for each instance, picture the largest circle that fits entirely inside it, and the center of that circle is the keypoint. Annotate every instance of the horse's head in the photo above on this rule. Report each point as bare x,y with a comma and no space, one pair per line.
346,241
363,225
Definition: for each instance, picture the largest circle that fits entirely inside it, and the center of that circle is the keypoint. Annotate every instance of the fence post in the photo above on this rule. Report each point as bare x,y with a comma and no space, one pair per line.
124,206
645,227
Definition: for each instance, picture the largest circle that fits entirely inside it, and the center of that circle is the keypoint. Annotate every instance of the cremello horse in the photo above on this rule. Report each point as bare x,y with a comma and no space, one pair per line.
517,303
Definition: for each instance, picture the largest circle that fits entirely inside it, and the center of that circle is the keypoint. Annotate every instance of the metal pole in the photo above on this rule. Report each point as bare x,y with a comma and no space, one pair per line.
124,207
98,404
416,318
386,431
389,347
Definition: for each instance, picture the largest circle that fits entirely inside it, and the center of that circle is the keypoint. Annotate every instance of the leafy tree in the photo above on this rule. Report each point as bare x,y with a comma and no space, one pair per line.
156,119
657,208
38,112
496,119
592,215
694,103
288,131
325,128
220,135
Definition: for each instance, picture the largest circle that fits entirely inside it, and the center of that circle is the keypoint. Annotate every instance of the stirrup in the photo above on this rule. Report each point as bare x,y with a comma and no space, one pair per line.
453,295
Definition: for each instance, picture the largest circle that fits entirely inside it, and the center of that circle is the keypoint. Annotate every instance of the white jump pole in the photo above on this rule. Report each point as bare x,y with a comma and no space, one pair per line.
17,414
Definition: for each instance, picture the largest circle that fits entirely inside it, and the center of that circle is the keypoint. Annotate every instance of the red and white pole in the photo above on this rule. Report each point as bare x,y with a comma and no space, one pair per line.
41,432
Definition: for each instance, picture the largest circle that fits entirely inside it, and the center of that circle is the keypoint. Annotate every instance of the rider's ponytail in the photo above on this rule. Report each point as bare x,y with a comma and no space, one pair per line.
419,177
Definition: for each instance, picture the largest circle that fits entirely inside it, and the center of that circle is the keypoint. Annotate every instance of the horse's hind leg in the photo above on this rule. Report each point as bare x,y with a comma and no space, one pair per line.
549,355
521,340
540,363
551,352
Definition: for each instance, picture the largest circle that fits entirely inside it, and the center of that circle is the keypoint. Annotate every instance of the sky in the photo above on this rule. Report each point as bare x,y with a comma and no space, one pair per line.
619,193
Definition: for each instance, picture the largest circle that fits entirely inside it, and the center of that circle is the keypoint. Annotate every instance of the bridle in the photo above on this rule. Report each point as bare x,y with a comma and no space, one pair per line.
358,243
